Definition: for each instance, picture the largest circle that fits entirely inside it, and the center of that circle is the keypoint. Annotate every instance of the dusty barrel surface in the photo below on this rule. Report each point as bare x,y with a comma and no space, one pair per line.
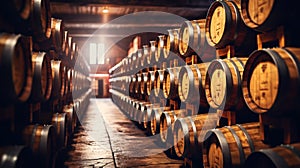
42,77
16,156
41,140
16,68
282,156
271,79
189,134
230,146
223,83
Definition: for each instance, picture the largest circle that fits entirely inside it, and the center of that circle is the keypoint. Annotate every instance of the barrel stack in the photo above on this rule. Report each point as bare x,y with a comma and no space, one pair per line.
225,86
41,92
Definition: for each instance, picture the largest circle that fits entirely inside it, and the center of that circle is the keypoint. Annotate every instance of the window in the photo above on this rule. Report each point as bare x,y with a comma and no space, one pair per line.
97,52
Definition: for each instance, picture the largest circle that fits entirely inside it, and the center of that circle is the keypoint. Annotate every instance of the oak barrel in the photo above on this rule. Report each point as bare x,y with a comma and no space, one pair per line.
16,68
189,134
60,123
153,128
223,83
42,77
41,20
271,81
191,84
41,140
170,83
283,156
230,146
224,27
166,125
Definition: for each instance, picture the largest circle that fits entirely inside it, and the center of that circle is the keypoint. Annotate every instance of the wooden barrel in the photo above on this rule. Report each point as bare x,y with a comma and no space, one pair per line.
283,156
224,27
41,140
60,123
189,134
41,20
139,64
143,86
170,83
271,79
223,83
146,112
263,16
138,86
15,67
42,77
57,34
230,146
139,112
65,45
153,128
191,84
193,40
166,125
152,53
16,156
132,86
146,52
158,83
56,79
172,43
161,43
70,80
150,82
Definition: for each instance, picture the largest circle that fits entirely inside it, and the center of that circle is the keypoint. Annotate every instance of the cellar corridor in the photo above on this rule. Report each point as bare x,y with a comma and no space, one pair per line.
107,138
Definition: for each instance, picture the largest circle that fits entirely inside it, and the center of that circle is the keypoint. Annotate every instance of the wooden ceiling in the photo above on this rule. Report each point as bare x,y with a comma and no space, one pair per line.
85,20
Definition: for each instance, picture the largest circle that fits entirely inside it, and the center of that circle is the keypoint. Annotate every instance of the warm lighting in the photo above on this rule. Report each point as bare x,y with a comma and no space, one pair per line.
105,10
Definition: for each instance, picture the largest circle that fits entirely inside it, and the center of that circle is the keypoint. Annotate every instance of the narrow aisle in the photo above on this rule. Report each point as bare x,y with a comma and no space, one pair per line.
108,139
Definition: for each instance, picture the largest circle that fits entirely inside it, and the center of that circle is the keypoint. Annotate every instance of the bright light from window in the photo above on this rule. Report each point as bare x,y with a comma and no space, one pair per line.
101,53
93,53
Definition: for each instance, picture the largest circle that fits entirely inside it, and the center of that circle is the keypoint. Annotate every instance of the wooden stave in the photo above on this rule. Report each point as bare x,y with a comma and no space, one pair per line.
161,42
291,57
285,155
41,63
42,154
16,156
217,136
233,69
192,145
7,66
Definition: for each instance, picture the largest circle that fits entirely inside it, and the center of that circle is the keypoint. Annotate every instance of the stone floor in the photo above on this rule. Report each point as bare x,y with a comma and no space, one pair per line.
107,138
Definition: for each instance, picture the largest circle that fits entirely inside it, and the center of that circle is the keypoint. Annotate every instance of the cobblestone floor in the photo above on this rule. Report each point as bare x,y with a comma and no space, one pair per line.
107,138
